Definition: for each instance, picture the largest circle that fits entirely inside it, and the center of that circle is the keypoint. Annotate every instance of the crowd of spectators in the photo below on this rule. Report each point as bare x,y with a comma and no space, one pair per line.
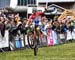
10,21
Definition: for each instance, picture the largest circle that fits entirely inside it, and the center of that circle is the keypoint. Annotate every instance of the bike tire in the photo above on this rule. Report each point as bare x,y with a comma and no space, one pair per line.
35,51
35,44
32,46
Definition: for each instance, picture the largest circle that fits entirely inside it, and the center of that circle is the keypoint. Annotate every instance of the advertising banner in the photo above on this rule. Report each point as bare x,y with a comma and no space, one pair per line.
4,41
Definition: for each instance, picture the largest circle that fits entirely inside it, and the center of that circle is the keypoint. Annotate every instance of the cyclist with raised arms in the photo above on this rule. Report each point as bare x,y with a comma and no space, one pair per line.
35,20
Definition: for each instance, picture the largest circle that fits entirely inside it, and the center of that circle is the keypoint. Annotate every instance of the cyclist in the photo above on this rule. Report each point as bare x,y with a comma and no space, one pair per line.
35,20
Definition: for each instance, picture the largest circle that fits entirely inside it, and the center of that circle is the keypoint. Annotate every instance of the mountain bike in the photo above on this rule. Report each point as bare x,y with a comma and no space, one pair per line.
33,39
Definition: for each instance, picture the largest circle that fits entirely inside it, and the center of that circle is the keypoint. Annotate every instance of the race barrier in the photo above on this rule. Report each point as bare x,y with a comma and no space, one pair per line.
4,41
49,38
43,41
70,35
52,38
55,39
19,42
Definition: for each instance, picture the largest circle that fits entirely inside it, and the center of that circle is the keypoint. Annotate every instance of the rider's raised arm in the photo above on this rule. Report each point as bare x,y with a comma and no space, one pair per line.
31,17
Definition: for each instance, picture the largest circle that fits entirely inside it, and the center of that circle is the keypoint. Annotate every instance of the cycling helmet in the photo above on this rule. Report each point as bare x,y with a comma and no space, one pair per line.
34,10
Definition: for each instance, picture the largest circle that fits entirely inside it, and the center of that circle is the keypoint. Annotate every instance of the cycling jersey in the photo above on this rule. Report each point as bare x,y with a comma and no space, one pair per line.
34,15
37,21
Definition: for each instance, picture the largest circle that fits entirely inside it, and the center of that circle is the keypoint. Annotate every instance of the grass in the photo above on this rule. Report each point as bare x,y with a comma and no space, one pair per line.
59,52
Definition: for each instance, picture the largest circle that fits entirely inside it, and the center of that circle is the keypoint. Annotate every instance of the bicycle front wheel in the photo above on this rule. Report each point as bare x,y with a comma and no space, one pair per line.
32,41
